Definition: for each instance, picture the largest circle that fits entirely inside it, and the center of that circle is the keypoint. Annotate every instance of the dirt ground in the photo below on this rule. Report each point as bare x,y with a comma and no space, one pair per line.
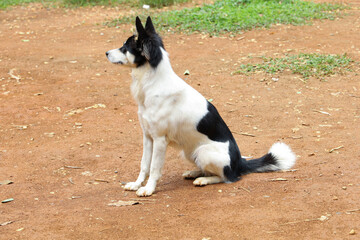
69,135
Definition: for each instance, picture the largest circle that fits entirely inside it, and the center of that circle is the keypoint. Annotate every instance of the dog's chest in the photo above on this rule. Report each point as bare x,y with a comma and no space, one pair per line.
157,111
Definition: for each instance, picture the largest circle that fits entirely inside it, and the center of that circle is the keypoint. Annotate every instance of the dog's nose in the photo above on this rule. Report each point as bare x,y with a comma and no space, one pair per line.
107,53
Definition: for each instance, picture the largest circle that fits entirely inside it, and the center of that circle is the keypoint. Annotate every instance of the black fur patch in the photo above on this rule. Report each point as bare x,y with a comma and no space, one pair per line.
146,46
153,43
266,160
132,46
149,42
213,126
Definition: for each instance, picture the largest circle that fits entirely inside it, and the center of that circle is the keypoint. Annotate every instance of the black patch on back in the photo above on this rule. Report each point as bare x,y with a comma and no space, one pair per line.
213,126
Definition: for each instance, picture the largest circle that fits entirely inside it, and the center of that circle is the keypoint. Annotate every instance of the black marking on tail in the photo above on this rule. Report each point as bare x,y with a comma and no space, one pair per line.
255,164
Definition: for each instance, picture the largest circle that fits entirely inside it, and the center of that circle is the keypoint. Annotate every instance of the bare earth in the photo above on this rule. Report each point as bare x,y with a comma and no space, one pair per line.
69,135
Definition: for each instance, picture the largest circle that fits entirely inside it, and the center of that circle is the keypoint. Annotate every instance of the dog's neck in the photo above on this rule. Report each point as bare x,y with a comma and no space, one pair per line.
146,76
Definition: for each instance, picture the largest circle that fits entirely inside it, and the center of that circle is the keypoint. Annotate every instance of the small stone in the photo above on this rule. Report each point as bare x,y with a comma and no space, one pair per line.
352,232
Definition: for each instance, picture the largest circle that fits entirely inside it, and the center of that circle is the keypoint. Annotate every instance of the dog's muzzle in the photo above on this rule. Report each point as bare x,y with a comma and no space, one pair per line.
116,57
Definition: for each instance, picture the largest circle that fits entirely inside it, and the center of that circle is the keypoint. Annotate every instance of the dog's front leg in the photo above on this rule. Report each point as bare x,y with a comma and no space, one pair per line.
145,164
157,162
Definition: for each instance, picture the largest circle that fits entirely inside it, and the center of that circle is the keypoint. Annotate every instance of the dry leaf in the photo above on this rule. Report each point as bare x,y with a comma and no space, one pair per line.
337,148
322,112
121,203
6,223
6,182
7,200
73,167
278,179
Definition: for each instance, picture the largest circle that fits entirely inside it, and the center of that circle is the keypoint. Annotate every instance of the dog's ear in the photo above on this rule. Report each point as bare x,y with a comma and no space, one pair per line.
149,27
139,28
146,51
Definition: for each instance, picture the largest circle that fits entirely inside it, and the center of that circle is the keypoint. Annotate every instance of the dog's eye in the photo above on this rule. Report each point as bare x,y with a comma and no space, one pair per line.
123,50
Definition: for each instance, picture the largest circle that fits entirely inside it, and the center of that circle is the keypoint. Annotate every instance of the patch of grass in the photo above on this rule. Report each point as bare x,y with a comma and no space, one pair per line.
7,3
133,3
160,3
84,3
238,15
307,65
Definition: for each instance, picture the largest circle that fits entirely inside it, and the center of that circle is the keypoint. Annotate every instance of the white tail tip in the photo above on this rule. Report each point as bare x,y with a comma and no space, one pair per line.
285,157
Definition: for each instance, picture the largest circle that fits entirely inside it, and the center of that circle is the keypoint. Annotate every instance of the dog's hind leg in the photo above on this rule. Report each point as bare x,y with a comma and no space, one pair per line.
157,162
211,159
145,165
192,174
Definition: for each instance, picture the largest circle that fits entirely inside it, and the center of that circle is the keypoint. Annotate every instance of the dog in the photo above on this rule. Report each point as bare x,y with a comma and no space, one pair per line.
171,111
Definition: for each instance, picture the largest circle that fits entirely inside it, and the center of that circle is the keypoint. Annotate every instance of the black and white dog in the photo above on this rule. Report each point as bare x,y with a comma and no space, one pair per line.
171,111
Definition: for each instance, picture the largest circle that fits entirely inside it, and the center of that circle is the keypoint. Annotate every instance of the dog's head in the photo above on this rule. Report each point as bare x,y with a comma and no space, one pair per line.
145,47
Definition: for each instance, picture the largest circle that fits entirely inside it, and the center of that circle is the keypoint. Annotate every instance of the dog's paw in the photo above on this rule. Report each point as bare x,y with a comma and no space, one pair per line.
192,174
145,191
132,186
201,181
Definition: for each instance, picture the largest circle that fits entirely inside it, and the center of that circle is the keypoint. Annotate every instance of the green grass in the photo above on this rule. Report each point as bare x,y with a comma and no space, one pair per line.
239,15
70,3
307,65
160,3
6,3
83,3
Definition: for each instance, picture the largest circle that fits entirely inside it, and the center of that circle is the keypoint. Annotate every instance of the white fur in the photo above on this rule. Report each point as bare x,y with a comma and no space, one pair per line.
285,157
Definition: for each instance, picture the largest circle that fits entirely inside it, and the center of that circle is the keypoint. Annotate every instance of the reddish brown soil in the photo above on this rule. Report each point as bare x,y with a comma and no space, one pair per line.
58,56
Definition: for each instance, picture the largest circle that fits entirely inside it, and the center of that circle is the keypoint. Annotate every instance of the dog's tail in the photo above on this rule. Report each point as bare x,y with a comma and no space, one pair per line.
279,157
